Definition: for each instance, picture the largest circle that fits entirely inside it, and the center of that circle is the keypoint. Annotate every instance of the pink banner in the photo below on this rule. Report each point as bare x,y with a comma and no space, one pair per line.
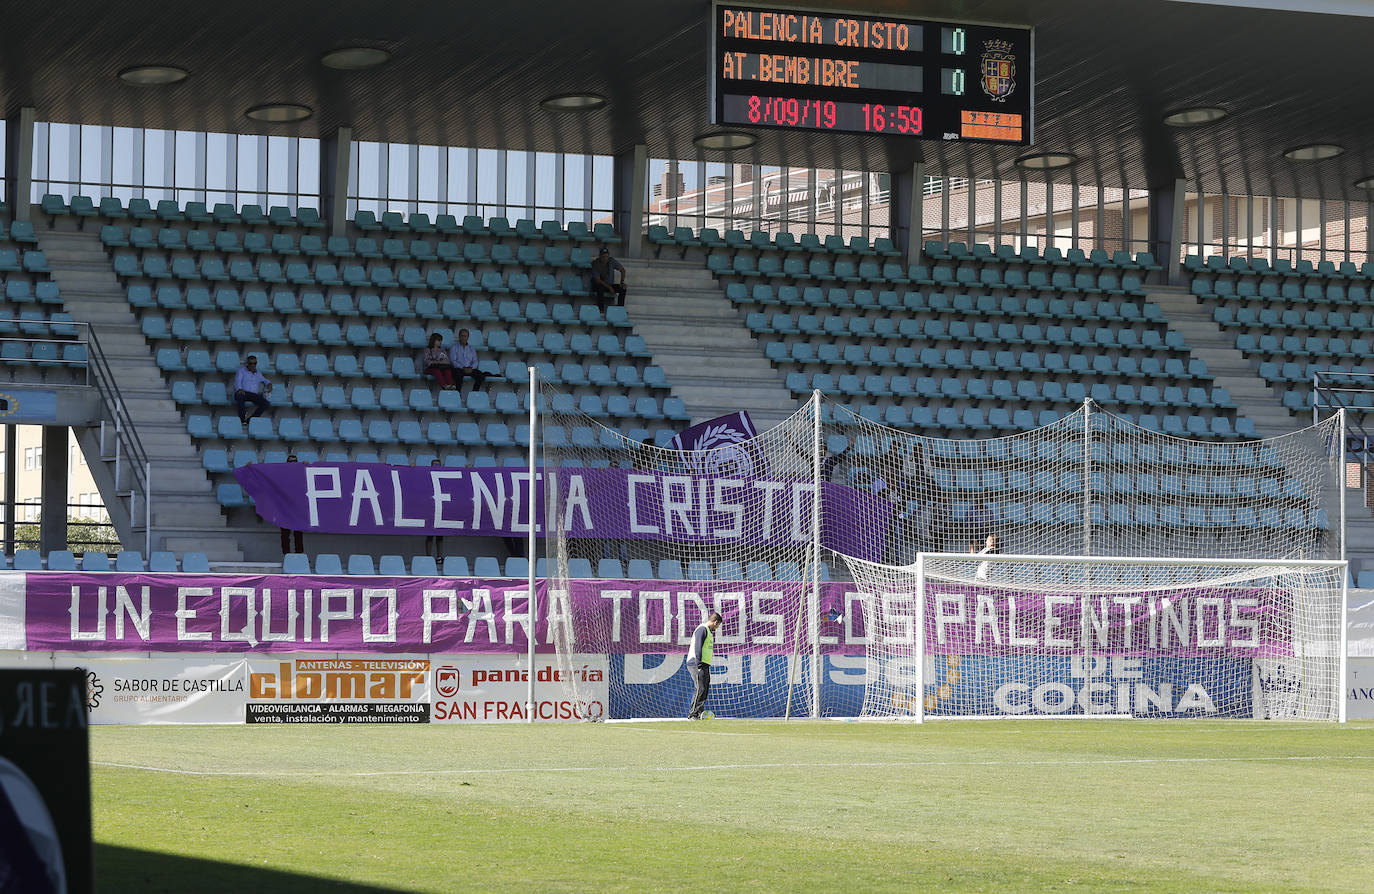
95,612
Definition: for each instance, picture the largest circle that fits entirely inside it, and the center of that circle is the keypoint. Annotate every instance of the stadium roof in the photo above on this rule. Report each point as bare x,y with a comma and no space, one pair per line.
472,74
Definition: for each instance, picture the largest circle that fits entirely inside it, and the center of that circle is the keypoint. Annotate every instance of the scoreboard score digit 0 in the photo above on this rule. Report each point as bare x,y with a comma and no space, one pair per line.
808,70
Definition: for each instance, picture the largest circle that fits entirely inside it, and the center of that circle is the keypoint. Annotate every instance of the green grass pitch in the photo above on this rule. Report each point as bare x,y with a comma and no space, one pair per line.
737,806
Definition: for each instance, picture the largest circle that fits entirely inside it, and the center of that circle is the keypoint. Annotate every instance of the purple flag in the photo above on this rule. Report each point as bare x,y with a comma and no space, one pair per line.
722,446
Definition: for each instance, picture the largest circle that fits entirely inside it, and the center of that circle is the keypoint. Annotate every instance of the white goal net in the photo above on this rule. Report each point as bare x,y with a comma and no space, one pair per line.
1011,636
818,599
1094,483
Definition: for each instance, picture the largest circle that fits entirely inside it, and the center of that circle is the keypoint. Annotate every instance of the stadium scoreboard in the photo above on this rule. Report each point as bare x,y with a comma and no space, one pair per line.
823,71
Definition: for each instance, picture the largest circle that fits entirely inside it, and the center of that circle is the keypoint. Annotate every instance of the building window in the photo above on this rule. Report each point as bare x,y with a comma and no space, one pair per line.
33,459
185,166
91,507
433,180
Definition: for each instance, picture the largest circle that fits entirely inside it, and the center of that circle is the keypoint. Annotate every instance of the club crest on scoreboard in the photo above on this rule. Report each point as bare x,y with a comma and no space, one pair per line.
999,70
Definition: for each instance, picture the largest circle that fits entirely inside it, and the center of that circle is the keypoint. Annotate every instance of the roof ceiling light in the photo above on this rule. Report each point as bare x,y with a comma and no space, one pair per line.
153,75
726,140
1365,182
1046,161
1195,116
355,58
573,102
279,112
1313,152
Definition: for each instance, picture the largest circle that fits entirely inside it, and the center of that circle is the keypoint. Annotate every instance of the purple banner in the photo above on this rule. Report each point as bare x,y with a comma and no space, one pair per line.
372,498
94,612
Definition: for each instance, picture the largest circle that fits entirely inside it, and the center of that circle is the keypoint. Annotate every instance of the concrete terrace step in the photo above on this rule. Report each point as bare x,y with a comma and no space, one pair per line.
712,362
669,336
1230,369
186,516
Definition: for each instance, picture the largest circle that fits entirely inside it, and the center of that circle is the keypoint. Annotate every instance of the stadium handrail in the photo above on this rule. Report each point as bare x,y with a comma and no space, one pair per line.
1331,391
127,442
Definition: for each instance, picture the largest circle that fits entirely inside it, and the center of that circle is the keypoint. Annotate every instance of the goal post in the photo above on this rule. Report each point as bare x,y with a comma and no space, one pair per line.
954,635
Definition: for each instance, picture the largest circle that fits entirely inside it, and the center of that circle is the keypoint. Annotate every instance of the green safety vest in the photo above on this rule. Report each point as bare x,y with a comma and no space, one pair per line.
706,647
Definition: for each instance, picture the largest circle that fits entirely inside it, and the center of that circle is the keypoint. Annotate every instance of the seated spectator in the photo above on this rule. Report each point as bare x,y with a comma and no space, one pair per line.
251,387
603,278
463,358
437,364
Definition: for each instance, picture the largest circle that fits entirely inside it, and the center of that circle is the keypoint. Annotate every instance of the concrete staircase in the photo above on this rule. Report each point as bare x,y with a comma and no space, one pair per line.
185,514
1258,400
711,360
1254,397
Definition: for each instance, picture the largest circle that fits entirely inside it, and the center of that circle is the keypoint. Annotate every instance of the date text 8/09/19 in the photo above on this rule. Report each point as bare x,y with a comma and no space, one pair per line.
824,115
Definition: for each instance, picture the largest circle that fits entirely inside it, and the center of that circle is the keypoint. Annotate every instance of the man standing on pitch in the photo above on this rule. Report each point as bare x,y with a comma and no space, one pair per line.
699,662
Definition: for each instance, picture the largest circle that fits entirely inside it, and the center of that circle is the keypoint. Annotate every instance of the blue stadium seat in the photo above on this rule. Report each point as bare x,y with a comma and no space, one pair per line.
130,560
93,561
162,562
295,563
61,560
328,563
28,560
456,566
420,566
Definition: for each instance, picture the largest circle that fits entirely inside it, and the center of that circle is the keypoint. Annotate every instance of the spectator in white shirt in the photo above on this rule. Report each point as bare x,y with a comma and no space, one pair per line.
464,359
251,387
991,546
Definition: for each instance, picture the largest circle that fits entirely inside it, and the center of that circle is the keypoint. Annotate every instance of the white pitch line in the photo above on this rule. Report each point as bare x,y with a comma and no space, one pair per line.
697,768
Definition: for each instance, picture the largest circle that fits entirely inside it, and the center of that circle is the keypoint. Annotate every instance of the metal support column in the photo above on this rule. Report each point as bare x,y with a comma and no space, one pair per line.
53,529
336,154
972,211
916,244
1165,238
19,161
11,466
631,170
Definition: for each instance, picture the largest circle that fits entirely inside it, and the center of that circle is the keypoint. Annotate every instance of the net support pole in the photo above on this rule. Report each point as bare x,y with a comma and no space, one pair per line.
1343,657
530,543
920,634
1087,477
1340,472
815,598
